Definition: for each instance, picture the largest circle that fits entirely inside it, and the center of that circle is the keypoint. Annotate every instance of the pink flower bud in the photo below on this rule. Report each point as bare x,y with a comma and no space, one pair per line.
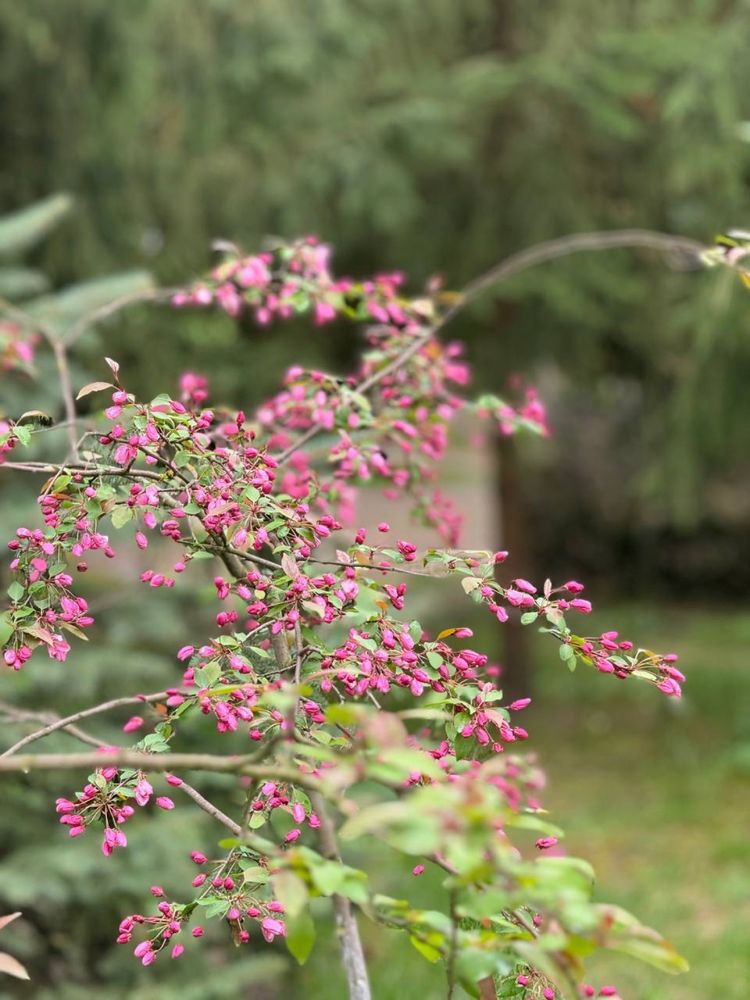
544,843
163,802
581,605
516,706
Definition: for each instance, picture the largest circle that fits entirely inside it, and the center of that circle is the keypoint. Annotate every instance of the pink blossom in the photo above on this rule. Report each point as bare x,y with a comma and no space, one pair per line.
143,792
271,928
544,843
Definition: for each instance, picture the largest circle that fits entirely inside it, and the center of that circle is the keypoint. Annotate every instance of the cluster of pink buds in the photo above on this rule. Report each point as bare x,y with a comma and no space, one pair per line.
45,605
490,724
193,389
8,440
607,652
162,928
529,414
293,278
271,796
539,987
105,800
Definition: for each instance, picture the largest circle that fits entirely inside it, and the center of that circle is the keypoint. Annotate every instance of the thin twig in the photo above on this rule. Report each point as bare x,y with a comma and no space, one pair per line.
352,952
453,947
83,469
210,808
541,253
159,763
24,715
20,715
62,723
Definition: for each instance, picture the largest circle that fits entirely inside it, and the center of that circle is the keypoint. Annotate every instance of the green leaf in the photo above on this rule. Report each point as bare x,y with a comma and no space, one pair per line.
23,434
21,282
627,935
120,516
428,951
208,675
63,309
6,628
21,230
300,936
15,591
528,617
331,877
291,891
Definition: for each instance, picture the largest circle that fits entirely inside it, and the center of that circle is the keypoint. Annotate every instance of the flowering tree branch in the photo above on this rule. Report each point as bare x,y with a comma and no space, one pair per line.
64,723
239,764
314,658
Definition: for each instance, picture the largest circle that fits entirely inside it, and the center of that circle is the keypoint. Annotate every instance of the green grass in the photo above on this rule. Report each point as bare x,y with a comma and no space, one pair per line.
657,795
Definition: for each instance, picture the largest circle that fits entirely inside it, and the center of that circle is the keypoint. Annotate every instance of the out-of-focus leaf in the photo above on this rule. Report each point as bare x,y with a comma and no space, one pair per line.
300,936
291,891
21,230
6,631
21,282
65,308
425,949
626,934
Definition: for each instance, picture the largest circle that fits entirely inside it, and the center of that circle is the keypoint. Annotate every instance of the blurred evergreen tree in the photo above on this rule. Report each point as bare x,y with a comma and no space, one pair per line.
439,135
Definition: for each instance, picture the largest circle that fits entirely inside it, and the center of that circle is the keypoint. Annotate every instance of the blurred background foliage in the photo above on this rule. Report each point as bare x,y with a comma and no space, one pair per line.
439,137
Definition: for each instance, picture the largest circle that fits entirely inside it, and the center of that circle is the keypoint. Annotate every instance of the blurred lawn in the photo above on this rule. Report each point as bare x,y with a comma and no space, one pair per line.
656,794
